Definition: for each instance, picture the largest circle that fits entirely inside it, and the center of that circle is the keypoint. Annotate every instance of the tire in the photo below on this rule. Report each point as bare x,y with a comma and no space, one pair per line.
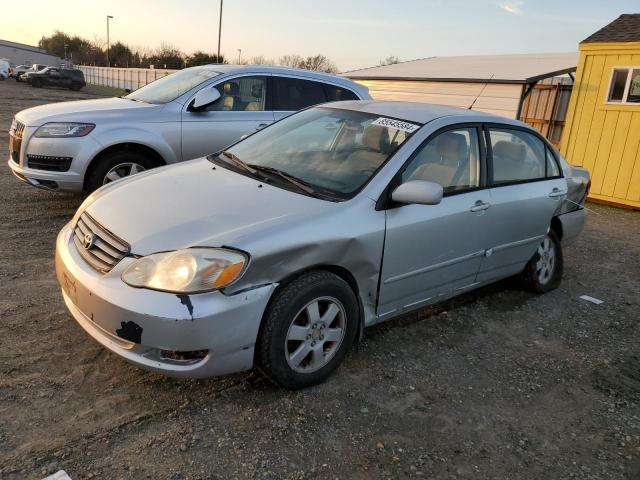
75,87
102,167
547,258
277,353
36,84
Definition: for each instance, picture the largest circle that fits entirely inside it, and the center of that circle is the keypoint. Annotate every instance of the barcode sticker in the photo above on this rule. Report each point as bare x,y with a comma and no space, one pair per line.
397,124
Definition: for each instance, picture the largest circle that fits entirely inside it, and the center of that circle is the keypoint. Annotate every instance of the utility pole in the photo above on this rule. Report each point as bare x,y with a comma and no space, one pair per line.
108,17
65,51
239,53
220,32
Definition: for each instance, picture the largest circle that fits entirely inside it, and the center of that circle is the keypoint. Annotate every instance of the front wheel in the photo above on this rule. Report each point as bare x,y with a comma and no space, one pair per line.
544,271
114,166
307,330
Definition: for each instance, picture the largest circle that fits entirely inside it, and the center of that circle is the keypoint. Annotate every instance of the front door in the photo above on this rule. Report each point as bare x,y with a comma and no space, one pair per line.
432,251
526,190
239,112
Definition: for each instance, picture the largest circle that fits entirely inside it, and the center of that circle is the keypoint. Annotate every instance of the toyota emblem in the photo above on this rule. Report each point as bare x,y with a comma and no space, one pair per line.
88,241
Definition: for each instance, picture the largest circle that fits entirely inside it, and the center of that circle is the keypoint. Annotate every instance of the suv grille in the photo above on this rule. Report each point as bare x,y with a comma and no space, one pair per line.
15,140
100,248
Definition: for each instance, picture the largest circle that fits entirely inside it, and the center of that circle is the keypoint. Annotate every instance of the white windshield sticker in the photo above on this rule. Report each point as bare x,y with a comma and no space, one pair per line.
397,124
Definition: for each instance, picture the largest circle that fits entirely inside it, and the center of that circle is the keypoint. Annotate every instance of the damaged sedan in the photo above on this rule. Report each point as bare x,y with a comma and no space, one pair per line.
277,252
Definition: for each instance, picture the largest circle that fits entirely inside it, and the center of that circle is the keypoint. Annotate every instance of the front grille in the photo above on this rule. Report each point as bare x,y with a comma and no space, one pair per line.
49,163
99,247
15,140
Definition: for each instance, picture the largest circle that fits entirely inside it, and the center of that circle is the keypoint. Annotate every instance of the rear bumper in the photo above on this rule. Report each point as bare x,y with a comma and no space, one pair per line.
142,325
572,224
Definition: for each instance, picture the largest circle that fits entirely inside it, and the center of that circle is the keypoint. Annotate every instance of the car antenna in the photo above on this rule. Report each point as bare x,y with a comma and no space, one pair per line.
481,91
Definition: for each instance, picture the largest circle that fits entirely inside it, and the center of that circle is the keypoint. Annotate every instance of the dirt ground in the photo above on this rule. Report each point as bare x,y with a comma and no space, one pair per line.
498,384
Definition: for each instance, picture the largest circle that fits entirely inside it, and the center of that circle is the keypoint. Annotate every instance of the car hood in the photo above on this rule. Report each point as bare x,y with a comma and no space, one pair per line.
195,204
72,111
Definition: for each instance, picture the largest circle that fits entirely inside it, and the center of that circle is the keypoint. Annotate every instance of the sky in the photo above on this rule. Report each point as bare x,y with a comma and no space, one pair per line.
354,34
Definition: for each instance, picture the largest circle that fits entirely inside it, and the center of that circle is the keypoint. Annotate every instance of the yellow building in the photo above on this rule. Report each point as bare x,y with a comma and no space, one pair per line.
602,130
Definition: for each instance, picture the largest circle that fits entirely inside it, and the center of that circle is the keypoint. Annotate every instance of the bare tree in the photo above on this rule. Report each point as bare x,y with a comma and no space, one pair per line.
389,61
293,61
320,63
261,60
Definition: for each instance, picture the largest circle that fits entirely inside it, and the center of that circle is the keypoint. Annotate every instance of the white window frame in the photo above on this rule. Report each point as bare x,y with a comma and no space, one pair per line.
627,86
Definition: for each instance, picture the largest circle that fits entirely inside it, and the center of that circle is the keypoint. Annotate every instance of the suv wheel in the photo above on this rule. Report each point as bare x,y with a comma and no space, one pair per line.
544,271
307,330
75,86
115,166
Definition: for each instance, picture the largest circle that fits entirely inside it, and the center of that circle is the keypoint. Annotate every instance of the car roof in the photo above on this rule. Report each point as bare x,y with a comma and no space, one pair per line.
418,112
274,69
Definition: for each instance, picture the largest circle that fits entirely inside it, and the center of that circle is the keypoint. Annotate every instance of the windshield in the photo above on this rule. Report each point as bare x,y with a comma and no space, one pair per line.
169,88
334,151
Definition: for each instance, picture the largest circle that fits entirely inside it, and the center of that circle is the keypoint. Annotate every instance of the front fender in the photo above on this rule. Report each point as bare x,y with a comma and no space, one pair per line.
166,142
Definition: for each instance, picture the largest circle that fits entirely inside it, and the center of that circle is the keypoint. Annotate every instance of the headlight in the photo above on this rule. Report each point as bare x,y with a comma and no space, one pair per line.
191,270
64,130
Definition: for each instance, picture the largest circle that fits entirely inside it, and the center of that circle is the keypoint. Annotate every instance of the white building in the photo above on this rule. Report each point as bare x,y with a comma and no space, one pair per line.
502,82
21,54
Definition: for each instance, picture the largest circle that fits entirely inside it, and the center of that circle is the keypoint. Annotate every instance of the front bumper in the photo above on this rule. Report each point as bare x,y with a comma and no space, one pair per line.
143,325
56,181
81,150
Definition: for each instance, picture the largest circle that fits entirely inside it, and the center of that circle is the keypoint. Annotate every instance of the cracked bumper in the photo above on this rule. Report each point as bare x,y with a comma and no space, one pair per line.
140,325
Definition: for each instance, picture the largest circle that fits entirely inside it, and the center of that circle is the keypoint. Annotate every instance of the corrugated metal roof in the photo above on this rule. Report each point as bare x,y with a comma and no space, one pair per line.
625,28
518,68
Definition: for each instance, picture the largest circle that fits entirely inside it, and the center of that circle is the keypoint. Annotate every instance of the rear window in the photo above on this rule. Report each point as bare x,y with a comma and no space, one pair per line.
291,94
336,94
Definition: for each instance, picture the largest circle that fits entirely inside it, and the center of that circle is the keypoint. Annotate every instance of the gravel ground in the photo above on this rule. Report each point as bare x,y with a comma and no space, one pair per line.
498,384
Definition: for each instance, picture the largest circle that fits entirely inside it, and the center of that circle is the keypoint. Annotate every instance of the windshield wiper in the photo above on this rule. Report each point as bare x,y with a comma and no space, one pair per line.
239,163
301,184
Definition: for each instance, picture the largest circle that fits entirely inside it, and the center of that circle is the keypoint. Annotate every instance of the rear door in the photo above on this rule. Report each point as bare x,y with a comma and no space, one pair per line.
432,251
527,188
241,110
291,94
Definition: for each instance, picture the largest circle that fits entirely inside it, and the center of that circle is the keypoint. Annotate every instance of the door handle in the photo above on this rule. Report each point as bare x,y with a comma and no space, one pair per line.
480,205
261,126
556,192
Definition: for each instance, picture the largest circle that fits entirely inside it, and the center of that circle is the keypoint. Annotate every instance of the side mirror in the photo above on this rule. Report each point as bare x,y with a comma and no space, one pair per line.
204,98
418,191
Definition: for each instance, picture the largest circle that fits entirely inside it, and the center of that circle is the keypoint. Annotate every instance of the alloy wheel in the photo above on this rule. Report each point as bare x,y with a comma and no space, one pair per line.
122,170
546,260
315,335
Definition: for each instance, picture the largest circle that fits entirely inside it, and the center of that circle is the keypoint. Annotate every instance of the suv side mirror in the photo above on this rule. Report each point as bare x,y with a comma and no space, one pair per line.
204,98
421,192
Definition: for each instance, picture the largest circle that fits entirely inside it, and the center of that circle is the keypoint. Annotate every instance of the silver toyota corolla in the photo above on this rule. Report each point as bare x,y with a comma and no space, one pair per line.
278,251
73,146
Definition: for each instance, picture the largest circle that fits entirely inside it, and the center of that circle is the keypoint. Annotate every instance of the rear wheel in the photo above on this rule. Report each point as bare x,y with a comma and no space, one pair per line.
115,166
544,271
307,330
75,86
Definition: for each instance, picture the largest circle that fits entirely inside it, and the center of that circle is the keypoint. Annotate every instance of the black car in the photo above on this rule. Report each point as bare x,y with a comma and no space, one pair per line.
57,77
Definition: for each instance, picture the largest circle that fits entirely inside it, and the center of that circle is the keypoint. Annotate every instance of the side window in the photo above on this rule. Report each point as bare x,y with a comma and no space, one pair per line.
517,156
451,159
552,165
244,94
336,94
292,94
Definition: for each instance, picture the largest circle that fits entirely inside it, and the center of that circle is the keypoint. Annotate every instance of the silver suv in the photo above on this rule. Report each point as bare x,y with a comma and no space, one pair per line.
83,145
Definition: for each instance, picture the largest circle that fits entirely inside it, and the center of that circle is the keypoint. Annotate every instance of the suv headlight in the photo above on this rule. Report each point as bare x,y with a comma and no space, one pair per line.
192,270
64,130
